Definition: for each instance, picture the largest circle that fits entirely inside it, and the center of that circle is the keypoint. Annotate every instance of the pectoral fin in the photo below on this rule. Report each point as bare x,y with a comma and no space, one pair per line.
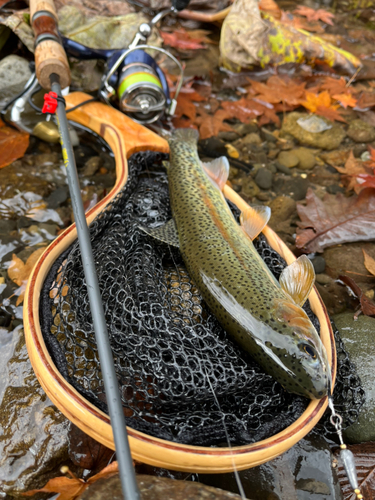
218,170
253,220
298,279
167,233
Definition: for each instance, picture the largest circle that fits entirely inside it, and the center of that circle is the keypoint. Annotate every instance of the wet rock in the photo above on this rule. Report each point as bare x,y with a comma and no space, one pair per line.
246,128
288,159
295,187
157,488
282,208
328,139
92,165
358,337
282,168
33,433
57,197
334,189
306,158
14,73
227,136
248,187
361,131
323,279
341,259
263,178
319,264
267,135
304,472
252,138
360,149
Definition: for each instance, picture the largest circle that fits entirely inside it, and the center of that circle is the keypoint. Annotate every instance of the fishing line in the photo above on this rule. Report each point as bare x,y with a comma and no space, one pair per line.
235,470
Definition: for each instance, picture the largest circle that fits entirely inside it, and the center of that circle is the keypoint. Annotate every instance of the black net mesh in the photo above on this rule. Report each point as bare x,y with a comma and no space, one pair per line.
179,374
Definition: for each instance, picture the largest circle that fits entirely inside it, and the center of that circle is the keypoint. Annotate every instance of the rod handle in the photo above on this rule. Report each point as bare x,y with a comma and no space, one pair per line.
50,55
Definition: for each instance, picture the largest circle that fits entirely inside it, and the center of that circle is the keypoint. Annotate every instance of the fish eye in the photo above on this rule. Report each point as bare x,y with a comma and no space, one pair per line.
308,350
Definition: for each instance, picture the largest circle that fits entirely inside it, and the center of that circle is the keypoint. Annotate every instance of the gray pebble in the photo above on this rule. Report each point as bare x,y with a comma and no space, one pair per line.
263,178
319,264
282,168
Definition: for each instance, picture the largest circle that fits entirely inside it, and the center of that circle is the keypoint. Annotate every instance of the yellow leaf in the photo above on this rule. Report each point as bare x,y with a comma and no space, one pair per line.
369,262
313,101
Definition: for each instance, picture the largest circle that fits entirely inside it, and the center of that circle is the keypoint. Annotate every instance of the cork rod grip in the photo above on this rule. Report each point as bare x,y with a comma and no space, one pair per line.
50,55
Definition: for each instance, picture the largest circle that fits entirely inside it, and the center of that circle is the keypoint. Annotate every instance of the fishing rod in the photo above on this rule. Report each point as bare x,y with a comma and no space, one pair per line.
52,70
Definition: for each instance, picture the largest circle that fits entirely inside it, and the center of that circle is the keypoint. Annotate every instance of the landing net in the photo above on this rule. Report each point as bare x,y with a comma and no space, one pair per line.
170,352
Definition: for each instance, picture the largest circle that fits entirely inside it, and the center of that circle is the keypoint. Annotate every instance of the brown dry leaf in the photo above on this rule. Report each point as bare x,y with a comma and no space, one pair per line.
335,219
314,15
70,489
13,144
367,305
354,170
19,272
278,90
364,457
369,262
213,124
185,40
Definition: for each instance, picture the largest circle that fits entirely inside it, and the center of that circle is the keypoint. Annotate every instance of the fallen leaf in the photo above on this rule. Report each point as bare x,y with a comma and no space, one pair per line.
367,305
331,113
364,458
335,219
185,40
314,15
185,107
278,90
86,452
19,272
70,489
335,85
353,172
13,144
346,100
270,7
369,262
313,101
213,124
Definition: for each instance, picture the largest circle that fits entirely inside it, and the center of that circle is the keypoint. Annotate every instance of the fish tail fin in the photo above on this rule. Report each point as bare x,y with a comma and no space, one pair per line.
190,135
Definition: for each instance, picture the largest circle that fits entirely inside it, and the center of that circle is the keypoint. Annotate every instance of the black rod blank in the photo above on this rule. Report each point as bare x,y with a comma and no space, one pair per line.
125,462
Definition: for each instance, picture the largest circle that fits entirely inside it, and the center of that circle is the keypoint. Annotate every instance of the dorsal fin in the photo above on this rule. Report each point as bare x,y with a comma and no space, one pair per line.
298,279
253,220
218,170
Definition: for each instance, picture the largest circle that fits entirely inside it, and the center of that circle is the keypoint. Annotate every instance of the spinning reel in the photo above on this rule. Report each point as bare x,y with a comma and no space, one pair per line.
133,81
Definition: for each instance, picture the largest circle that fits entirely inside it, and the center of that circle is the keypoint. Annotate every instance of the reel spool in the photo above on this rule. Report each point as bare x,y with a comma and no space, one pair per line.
139,84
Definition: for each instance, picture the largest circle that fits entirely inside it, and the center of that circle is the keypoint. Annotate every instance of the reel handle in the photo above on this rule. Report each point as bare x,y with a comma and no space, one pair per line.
50,55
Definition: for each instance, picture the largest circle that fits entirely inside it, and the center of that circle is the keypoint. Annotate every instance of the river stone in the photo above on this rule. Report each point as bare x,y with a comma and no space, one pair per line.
328,139
288,159
14,73
156,488
358,337
33,433
306,158
361,131
263,178
304,472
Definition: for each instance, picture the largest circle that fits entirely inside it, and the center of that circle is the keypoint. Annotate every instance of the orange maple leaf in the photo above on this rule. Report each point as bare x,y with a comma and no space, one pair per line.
314,15
321,104
182,39
346,100
213,124
70,489
13,144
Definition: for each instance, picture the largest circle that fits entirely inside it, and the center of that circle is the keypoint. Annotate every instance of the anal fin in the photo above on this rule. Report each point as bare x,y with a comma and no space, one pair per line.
298,279
254,219
166,233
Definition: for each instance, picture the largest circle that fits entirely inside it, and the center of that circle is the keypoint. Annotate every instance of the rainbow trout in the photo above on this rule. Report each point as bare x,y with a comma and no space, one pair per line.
261,314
